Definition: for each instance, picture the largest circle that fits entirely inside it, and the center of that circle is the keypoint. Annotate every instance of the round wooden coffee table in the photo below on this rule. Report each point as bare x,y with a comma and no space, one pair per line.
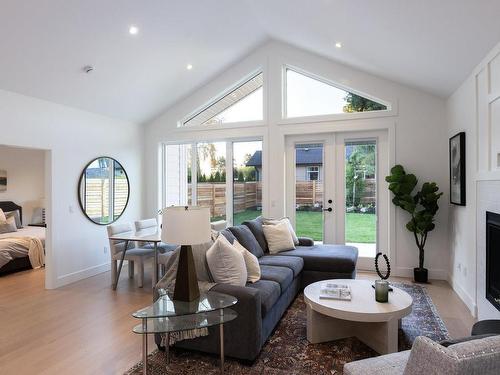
374,323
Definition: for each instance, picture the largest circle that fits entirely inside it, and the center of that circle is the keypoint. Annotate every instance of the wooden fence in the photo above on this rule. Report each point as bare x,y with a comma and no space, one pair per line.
310,193
247,195
213,195
97,196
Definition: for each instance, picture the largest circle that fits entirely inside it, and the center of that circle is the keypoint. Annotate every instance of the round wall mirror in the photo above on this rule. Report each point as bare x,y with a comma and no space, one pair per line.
103,190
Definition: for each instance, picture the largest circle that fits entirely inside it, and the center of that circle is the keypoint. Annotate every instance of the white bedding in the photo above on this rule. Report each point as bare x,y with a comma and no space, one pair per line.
9,251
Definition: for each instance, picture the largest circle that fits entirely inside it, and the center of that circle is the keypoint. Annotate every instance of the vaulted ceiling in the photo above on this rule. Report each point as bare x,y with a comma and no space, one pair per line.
428,44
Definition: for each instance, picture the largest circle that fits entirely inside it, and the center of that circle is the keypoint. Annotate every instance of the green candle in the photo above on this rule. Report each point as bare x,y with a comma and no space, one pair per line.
381,291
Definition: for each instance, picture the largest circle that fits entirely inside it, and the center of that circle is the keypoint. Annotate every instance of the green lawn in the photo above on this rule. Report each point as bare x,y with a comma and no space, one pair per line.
240,217
361,228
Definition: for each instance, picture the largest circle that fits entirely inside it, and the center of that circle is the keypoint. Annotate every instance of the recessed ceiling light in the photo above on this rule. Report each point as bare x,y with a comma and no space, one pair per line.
338,45
133,30
189,66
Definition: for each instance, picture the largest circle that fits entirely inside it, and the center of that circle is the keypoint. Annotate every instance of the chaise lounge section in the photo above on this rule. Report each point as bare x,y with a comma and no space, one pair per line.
262,304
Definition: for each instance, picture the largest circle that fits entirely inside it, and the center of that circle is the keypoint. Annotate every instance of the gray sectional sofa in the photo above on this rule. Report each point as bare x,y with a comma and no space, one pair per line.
262,304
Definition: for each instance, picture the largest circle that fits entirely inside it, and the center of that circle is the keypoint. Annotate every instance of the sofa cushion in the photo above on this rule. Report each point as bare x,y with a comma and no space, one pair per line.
294,263
325,258
269,294
282,275
255,227
246,238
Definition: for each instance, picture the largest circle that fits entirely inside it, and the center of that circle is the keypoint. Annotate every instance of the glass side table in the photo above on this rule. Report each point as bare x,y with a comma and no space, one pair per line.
167,316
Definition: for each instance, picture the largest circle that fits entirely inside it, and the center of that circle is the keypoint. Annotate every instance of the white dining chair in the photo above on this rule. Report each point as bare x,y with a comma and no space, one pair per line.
150,224
164,249
134,254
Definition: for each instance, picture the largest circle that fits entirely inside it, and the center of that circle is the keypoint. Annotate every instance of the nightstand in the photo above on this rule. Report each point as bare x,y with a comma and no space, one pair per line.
43,225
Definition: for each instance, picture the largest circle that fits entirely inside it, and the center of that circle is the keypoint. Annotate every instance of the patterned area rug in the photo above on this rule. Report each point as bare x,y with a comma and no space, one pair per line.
288,351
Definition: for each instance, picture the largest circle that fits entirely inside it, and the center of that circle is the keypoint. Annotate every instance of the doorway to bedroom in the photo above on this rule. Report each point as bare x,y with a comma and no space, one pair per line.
23,205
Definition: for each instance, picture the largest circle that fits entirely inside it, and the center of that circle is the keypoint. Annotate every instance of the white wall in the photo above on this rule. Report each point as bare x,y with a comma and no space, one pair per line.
461,112
418,138
474,108
26,178
75,246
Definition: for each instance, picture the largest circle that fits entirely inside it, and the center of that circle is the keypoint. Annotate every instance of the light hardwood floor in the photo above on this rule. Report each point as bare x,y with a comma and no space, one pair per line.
85,327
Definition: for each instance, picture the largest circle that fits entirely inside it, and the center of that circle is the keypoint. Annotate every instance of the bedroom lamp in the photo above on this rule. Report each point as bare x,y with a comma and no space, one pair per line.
186,226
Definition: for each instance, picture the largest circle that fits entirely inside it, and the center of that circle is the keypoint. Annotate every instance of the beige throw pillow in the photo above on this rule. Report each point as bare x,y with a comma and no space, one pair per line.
226,264
3,219
278,237
289,224
251,262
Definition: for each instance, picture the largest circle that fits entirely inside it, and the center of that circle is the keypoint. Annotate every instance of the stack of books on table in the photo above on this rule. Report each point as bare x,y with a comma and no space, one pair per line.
335,291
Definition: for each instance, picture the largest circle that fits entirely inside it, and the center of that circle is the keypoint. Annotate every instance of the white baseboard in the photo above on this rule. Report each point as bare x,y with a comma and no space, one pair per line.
464,296
435,274
82,274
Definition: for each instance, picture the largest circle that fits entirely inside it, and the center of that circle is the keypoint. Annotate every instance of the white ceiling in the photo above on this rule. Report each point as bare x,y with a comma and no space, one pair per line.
428,44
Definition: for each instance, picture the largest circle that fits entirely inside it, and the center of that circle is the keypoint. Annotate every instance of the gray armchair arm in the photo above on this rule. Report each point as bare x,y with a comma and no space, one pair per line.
306,241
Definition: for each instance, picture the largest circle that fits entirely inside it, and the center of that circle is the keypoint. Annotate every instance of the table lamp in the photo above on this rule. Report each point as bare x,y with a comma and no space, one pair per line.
186,226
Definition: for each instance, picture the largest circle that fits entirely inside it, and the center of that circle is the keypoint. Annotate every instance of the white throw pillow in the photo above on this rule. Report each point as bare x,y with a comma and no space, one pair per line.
251,262
226,264
9,226
289,224
3,219
278,237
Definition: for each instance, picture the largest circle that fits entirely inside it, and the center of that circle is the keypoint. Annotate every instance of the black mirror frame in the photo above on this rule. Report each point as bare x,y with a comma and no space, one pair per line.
80,182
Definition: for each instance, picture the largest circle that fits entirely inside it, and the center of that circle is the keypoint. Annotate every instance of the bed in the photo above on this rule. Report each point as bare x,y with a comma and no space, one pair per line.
13,256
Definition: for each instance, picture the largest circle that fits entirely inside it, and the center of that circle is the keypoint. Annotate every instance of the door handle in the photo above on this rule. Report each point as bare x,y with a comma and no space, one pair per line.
329,209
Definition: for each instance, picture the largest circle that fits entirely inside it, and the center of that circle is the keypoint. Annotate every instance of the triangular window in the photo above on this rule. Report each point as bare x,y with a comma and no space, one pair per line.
308,96
243,103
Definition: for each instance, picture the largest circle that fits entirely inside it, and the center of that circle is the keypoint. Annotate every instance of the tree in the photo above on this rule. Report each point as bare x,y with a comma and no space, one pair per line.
360,162
356,103
241,176
220,164
217,177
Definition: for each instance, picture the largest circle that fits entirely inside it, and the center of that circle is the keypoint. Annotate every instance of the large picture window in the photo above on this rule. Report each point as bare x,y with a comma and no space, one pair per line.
309,96
196,174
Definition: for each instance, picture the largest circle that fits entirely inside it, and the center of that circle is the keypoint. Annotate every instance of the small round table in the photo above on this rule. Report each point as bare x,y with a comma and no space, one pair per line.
167,315
374,323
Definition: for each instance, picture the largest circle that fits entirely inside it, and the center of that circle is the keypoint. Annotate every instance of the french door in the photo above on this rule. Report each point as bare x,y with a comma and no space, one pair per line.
336,190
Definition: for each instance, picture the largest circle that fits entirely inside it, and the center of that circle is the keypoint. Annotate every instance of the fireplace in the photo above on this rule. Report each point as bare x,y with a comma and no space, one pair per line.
493,258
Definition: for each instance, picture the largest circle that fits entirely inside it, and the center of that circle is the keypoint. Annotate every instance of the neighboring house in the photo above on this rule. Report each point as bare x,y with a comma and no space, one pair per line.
309,164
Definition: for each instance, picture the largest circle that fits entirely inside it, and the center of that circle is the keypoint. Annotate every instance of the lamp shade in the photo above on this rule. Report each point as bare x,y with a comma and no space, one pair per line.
186,225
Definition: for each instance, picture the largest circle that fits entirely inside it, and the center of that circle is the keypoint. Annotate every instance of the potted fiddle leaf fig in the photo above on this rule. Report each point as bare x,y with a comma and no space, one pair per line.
422,207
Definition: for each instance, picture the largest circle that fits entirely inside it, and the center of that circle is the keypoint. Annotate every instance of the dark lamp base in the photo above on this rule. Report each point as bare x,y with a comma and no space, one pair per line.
186,283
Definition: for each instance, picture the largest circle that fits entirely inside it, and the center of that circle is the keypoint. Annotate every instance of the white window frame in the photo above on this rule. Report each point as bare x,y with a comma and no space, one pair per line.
194,180
309,171
285,120
181,124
